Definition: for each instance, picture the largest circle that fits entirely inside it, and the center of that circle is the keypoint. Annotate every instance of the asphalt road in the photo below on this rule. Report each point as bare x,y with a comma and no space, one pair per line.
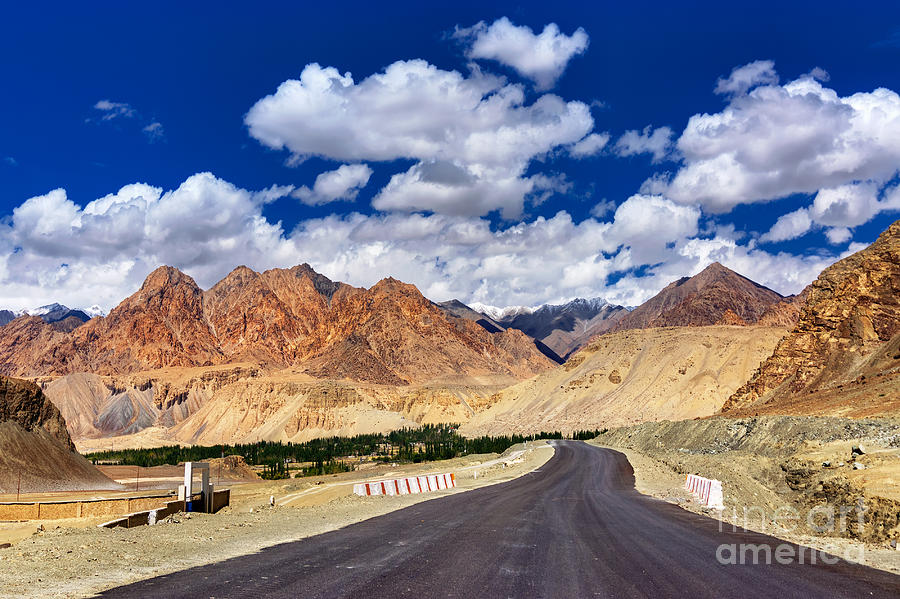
574,528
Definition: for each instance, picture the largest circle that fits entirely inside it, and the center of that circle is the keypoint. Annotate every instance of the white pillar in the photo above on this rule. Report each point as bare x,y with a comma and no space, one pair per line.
188,480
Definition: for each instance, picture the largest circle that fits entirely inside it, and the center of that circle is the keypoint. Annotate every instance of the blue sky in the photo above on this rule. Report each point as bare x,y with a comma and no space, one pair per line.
502,172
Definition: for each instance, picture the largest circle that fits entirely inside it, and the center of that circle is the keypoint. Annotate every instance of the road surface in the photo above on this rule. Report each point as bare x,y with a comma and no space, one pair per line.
574,528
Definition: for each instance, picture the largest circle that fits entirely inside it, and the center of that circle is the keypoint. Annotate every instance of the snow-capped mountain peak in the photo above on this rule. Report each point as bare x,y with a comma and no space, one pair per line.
500,313
94,311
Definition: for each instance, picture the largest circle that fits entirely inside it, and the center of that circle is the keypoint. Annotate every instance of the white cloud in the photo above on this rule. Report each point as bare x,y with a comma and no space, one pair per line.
56,250
847,205
789,226
655,142
742,79
602,208
591,145
52,249
776,141
112,110
540,57
342,183
839,209
479,124
838,235
154,131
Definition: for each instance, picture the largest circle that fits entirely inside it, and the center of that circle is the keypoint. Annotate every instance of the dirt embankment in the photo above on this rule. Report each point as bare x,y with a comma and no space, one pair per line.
793,477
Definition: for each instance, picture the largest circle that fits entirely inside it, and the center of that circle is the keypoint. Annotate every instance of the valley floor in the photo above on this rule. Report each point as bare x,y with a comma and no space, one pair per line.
79,562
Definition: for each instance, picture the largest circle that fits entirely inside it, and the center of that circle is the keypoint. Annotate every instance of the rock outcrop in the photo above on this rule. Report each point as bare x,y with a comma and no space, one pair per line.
846,333
23,403
717,295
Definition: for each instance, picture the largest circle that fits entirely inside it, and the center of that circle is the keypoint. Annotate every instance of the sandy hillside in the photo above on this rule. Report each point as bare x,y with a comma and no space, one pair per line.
36,453
242,404
633,376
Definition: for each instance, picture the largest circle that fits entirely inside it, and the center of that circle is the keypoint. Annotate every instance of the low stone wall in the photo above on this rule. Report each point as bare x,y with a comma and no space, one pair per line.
220,499
86,508
145,517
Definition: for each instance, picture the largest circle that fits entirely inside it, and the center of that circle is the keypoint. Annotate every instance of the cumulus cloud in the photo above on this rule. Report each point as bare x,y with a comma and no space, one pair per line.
342,183
837,209
789,226
656,142
760,72
591,145
540,57
478,126
53,249
838,235
779,140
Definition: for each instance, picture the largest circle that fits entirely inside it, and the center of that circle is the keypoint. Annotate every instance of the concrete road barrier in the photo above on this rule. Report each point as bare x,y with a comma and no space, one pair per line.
707,491
406,486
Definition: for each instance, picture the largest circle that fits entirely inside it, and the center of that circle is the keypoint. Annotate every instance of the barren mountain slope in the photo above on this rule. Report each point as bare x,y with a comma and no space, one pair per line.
387,334
391,334
160,325
561,328
702,300
101,406
633,376
846,338
223,404
35,448
263,317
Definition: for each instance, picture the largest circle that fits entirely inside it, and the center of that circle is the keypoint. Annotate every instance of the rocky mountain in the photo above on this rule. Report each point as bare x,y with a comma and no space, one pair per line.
35,447
498,314
563,328
387,334
63,317
632,376
391,334
845,350
717,295
456,309
58,312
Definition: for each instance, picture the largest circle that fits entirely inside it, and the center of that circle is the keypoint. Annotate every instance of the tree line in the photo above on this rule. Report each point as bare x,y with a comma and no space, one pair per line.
427,443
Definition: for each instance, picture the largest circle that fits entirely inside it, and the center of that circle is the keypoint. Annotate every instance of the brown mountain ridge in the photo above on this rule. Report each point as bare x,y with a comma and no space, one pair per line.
282,317
717,295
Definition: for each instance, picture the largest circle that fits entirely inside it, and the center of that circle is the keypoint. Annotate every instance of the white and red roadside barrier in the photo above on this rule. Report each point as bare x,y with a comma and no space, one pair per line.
707,491
406,486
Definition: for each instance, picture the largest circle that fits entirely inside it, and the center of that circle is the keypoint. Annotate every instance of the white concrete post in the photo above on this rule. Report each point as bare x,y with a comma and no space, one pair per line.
188,480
